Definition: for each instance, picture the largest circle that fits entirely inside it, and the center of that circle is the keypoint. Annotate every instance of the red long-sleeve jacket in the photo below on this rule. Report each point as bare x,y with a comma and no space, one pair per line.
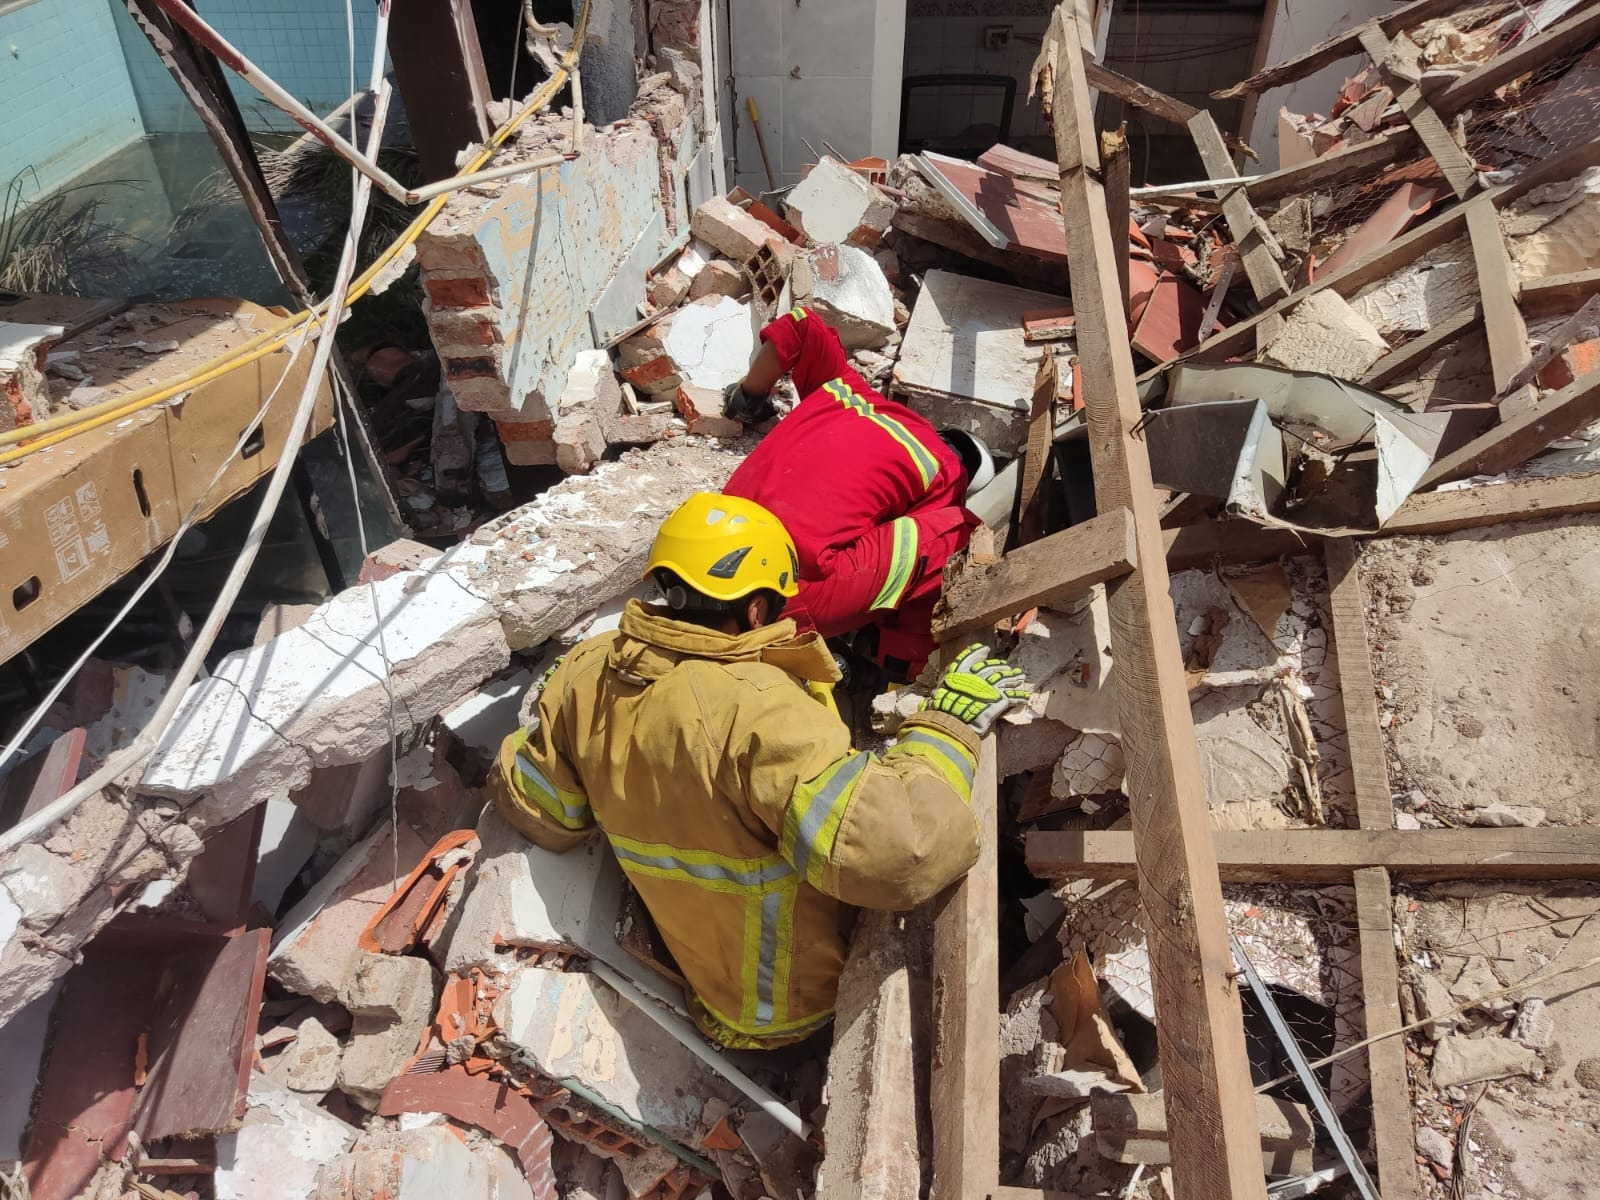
871,494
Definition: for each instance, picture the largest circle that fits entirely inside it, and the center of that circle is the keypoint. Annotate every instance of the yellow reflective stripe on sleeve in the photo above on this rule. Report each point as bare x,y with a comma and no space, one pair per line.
925,464
570,809
811,822
902,563
708,869
797,313
948,756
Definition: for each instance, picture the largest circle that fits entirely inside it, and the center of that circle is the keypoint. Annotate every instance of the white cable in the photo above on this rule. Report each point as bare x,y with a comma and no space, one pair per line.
148,738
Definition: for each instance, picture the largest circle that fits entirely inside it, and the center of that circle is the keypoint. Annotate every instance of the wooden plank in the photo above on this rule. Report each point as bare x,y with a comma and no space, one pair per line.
1496,504
1216,1145
1368,764
965,1076
438,68
1497,285
1393,1131
1561,39
1053,568
1331,855
1446,227
1033,496
1115,168
1266,277
1446,152
1582,326
1337,48
1352,163
1147,99
1207,543
1515,441
1410,357
1556,294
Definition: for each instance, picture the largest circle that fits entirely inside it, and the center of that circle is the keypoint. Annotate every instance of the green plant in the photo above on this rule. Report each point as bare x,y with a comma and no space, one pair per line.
58,246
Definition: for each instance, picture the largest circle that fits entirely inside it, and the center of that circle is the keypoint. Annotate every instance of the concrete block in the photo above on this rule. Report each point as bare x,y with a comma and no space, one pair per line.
523,895
701,410
279,1147
482,720
316,696
871,1127
728,228
392,999
1130,1128
833,204
845,287
1325,334
720,278
710,342
580,442
1459,1060
572,1026
668,288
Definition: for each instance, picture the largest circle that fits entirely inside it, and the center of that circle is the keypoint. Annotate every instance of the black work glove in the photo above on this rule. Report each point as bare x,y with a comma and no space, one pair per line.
740,405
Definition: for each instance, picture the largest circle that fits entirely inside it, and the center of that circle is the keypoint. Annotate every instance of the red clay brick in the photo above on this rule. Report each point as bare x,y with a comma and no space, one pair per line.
469,291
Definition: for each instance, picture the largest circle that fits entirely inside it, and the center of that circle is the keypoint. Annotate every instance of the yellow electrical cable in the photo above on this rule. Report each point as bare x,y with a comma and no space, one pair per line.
49,432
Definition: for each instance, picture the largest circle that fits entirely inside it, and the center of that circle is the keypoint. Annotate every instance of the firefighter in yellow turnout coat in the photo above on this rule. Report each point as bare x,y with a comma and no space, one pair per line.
695,738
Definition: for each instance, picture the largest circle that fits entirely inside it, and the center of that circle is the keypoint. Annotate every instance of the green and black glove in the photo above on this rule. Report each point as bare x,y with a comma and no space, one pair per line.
740,405
976,689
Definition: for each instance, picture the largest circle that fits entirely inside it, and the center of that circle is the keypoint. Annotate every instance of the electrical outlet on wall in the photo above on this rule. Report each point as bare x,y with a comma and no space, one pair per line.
996,37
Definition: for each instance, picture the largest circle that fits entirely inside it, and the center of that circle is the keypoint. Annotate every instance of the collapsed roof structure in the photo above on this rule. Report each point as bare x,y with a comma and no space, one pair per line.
1267,434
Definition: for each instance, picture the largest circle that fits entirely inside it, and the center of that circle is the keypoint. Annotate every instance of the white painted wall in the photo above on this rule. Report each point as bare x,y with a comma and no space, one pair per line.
1300,25
822,70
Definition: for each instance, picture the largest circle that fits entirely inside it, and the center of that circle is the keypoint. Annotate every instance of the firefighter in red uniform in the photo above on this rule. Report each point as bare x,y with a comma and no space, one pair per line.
872,494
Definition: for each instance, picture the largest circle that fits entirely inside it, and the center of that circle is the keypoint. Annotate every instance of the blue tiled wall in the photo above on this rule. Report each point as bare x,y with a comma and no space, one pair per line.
65,98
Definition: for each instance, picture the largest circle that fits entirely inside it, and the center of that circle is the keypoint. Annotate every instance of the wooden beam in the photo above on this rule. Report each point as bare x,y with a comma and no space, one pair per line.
1574,33
1452,160
1337,48
1232,540
1147,99
1411,356
1515,441
1581,326
438,68
1266,277
1241,337
1053,568
1331,855
1497,285
1115,168
1216,1144
1361,161
1496,504
1556,294
1033,498
1368,765
1393,1124
965,1076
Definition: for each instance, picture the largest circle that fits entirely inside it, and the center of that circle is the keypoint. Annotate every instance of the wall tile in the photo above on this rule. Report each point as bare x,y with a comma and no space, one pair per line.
827,40
756,38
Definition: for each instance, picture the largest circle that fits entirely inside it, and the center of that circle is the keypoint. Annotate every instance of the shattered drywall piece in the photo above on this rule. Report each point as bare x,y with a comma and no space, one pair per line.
1439,285
710,342
278,1149
569,1025
846,288
1327,335
1067,657
1555,230
835,205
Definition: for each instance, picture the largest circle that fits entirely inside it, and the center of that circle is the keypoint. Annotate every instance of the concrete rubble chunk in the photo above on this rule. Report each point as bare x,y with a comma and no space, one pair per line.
1132,1128
845,287
401,555
709,342
392,998
1433,999
309,1065
1323,333
523,895
701,409
279,1147
569,1025
1460,1060
720,278
1477,979
871,1128
1504,816
1091,765
1535,1025
424,1163
24,394
728,229
592,393
835,204
1434,1146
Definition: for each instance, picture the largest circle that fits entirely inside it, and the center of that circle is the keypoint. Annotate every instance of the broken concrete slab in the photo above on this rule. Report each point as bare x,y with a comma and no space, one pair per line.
1325,334
392,999
569,1025
423,1163
1459,1060
709,342
964,362
845,287
871,1130
719,278
701,410
834,204
318,696
309,1065
1132,1128
24,395
523,895
276,1152
728,229
592,391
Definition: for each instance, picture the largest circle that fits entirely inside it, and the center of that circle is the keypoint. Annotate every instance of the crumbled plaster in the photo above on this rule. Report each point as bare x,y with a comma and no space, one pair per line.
1438,286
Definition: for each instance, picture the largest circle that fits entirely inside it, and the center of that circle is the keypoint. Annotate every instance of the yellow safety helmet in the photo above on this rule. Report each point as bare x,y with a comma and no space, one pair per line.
725,547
